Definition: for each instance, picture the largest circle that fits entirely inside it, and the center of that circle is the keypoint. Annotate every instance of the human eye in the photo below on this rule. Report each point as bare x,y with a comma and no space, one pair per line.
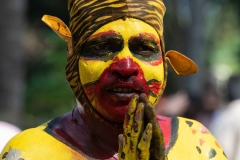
144,49
102,47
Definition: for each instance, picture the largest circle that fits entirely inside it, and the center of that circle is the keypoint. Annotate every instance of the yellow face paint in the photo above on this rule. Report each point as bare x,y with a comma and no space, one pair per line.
120,59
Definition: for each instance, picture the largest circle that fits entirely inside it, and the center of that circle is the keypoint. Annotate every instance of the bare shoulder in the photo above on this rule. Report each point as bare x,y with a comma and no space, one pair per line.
36,144
195,140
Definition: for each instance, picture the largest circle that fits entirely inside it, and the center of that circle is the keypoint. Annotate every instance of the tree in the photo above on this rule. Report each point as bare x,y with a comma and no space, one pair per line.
12,60
184,31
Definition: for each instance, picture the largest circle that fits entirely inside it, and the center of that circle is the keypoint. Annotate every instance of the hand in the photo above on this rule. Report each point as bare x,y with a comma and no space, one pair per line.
157,149
134,143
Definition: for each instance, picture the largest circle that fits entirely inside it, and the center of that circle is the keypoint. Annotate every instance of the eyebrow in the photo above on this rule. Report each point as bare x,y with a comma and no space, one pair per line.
148,37
105,36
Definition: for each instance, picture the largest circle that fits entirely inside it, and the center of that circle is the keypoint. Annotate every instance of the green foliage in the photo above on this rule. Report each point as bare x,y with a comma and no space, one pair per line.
224,53
48,93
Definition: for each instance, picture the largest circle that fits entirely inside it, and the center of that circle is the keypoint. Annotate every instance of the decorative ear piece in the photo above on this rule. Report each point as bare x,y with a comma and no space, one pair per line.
181,64
58,26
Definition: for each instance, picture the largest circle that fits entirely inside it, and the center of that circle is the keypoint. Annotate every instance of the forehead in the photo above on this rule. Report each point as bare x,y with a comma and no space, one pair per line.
127,28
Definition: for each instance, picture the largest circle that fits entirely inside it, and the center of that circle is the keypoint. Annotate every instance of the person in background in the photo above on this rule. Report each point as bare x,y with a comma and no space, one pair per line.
175,104
7,131
225,127
205,108
117,69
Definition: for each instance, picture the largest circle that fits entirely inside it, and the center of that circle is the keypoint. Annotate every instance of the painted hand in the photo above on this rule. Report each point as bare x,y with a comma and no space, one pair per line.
142,138
157,149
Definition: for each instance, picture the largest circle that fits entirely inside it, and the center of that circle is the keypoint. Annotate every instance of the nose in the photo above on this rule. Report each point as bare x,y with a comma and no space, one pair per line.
125,67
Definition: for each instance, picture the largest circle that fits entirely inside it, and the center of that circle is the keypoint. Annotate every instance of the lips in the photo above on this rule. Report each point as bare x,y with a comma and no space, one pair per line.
123,92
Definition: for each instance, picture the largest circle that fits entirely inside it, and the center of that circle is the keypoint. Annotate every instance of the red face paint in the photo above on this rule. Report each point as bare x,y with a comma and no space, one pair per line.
116,86
154,87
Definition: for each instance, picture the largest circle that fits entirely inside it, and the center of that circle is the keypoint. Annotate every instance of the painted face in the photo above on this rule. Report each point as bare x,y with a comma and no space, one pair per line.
120,59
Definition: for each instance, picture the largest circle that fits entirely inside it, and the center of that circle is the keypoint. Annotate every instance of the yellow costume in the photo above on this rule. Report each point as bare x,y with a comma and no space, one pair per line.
188,136
117,70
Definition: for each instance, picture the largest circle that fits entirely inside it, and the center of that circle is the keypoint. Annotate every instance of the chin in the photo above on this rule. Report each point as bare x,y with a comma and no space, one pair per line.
119,120
115,114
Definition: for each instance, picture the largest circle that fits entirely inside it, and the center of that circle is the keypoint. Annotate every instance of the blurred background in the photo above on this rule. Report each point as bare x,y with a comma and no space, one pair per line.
33,88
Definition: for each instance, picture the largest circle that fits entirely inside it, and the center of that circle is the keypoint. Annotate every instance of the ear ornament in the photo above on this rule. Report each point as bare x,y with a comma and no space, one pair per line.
59,27
181,64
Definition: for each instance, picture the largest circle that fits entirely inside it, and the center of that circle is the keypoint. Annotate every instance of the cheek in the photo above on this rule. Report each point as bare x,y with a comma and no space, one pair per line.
153,70
154,76
91,70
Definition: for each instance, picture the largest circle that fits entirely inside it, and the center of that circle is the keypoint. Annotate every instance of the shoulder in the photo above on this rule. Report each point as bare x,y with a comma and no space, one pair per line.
36,144
192,140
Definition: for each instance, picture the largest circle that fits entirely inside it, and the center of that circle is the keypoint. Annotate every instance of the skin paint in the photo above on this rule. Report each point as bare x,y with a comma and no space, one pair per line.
120,59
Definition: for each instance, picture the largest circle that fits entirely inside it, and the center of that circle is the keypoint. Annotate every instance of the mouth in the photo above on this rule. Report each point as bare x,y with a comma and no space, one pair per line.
123,93
124,90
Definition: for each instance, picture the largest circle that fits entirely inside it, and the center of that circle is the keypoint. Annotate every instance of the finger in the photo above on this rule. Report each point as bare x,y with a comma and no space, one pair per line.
130,112
121,154
144,144
128,121
138,119
157,145
143,97
120,142
137,127
149,108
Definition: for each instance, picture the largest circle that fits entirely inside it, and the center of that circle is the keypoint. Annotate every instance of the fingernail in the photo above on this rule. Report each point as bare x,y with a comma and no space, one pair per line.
132,104
139,113
149,127
135,127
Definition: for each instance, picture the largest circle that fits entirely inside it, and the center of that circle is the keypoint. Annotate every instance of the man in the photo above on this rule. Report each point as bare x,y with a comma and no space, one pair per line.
117,70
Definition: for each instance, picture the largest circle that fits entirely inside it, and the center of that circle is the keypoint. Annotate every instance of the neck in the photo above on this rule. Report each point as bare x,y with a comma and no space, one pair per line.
106,132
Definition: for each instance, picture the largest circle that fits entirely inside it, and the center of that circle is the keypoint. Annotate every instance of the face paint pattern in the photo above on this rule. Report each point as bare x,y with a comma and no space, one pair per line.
122,58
